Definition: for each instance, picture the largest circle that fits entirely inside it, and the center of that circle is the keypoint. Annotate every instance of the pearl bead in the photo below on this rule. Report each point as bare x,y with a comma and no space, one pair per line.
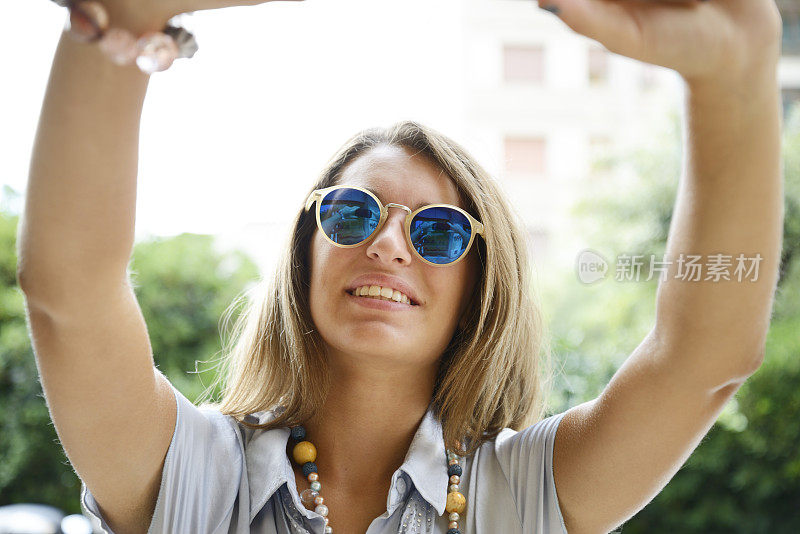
319,499
328,530
452,524
452,487
313,476
327,520
321,509
316,486
453,462
454,516
304,452
455,479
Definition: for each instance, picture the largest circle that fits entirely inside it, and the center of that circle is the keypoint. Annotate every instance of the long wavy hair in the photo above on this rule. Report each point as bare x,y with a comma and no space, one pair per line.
494,374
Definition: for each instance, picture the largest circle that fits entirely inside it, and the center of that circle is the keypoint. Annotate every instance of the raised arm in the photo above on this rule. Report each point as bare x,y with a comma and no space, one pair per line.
113,411
613,454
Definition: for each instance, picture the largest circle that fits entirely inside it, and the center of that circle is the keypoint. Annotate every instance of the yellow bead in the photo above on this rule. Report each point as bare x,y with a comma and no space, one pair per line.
304,452
456,502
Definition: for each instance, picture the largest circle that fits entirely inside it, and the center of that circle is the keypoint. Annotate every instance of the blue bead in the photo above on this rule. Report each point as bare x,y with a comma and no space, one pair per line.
453,531
298,433
454,470
309,467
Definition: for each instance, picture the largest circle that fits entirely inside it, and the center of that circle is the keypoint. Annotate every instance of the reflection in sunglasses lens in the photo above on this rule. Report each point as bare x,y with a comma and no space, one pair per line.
440,234
349,216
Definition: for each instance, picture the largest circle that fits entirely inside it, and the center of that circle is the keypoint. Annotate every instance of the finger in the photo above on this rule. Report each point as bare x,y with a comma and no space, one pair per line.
620,25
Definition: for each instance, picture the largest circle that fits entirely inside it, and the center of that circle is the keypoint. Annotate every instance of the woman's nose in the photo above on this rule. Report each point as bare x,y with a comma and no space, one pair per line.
390,243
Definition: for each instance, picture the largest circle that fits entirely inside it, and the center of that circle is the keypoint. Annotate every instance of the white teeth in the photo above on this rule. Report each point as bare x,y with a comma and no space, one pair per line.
382,293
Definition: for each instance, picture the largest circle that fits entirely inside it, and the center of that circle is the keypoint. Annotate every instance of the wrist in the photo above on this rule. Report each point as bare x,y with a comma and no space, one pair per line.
735,107
135,20
741,70
750,84
145,37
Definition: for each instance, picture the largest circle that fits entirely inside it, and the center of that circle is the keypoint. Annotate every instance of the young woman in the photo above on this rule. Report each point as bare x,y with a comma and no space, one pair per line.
390,377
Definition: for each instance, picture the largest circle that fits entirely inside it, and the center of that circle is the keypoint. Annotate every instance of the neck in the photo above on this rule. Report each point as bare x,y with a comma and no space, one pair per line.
367,424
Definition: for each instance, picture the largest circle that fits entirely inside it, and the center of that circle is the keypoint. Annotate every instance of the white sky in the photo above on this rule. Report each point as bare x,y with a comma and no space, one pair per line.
232,138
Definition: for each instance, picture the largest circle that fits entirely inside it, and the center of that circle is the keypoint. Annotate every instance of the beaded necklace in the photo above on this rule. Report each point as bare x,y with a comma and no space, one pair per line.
304,453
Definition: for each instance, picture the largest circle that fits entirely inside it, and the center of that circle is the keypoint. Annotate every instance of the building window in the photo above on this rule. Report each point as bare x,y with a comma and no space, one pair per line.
523,63
598,65
525,155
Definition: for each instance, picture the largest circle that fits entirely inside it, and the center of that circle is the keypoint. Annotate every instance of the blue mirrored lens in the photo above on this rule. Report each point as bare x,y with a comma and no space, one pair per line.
348,216
440,235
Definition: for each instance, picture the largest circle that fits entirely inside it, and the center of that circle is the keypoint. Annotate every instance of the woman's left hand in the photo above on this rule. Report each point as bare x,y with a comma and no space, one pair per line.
703,40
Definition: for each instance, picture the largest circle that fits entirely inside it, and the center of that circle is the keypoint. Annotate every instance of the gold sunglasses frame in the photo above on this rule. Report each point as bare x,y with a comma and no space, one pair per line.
317,195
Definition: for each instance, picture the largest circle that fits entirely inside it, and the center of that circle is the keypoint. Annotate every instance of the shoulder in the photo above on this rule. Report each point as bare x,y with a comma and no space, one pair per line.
517,468
512,445
204,426
513,449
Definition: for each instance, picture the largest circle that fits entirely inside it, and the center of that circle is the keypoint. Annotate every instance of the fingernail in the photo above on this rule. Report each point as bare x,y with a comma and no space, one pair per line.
552,9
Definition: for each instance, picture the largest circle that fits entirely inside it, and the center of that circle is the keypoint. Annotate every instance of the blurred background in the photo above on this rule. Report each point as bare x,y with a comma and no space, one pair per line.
586,143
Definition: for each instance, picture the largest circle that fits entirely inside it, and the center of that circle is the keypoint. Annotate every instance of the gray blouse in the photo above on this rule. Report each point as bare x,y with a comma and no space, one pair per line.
222,477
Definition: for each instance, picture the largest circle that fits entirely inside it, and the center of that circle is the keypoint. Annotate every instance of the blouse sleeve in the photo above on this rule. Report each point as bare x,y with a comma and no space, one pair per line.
526,458
201,476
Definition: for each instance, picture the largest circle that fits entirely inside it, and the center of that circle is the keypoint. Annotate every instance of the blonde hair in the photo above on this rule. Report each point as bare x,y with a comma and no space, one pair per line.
495,373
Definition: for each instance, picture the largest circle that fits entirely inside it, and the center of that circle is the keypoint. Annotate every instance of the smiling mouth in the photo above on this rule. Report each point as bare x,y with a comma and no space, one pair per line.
378,297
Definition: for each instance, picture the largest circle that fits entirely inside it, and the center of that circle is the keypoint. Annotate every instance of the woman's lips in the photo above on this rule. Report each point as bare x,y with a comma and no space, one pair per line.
379,304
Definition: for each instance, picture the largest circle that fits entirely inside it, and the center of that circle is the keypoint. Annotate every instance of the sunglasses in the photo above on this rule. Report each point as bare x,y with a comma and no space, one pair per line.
439,234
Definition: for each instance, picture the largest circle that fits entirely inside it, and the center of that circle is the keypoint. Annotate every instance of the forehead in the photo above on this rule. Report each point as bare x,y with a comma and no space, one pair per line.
396,174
